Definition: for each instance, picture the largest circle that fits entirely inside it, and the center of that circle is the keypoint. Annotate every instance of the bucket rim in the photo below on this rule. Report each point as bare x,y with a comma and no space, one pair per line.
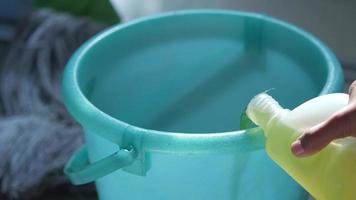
88,115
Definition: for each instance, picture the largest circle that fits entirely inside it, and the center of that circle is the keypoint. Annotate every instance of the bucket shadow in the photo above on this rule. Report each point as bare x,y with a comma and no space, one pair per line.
207,90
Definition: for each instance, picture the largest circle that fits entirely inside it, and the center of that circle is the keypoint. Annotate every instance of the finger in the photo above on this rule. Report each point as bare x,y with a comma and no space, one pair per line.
352,92
340,125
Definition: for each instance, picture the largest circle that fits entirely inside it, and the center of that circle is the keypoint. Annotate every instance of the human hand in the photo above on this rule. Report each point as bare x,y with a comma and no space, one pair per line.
341,124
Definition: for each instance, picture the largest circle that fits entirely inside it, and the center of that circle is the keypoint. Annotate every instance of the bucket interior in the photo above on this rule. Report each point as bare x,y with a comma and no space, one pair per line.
196,74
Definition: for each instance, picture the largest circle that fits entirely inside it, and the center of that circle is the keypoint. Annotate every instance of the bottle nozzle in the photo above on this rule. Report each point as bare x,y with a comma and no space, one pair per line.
262,108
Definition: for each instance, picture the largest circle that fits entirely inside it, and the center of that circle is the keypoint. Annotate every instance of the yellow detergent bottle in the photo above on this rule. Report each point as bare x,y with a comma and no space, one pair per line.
327,175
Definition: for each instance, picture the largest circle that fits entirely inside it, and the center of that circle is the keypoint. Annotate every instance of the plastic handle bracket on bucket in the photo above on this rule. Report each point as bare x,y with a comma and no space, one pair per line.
80,171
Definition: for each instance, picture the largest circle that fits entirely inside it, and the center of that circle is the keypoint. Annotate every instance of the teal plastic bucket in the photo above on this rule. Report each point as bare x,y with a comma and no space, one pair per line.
160,101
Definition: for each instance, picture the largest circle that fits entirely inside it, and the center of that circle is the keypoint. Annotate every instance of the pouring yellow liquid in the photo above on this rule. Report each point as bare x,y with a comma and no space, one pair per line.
327,175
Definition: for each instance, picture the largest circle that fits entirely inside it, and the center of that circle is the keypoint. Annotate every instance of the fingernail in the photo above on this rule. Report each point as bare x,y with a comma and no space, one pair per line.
297,148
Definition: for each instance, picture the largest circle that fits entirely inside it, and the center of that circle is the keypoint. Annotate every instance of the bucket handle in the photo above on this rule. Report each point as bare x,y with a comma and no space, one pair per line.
79,171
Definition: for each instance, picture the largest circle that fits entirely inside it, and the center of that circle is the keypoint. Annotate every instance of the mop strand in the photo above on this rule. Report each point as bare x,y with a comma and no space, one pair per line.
37,135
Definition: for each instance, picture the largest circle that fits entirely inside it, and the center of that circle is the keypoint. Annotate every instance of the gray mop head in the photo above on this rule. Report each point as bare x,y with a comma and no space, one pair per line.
37,136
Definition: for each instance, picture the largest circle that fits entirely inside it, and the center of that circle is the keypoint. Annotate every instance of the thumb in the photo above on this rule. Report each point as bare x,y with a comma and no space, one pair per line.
339,125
